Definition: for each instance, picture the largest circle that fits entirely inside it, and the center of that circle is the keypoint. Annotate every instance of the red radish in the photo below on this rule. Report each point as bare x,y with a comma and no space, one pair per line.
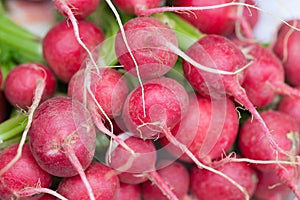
134,6
103,180
208,130
146,37
212,21
218,52
62,51
24,175
132,169
166,102
262,89
129,192
68,127
62,138
176,177
206,185
255,145
108,87
286,48
270,187
21,82
290,105
80,8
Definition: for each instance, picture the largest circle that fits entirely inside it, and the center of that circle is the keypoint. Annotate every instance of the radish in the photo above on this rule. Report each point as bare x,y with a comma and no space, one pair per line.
139,167
219,52
254,145
208,130
146,37
178,183
21,82
206,185
103,180
62,138
290,105
103,91
23,176
132,169
62,51
166,102
135,6
285,46
107,86
270,187
81,9
262,89
129,192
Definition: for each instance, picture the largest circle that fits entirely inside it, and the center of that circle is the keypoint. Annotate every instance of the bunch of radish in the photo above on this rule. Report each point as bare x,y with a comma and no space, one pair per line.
139,99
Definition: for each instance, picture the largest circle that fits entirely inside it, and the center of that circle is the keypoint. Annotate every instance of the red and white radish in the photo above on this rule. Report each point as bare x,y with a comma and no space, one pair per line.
104,182
208,130
132,168
146,37
21,82
255,145
166,102
262,89
62,51
80,8
219,52
286,48
179,183
23,176
62,138
206,185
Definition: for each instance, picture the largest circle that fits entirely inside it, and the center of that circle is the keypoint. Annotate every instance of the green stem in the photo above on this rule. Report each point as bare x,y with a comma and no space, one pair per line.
186,33
12,127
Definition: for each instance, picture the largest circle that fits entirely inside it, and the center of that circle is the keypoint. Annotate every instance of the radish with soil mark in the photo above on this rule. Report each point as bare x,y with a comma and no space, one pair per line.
262,89
219,52
103,180
21,82
208,130
255,145
25,175
286,48
208,186
62,51
62,138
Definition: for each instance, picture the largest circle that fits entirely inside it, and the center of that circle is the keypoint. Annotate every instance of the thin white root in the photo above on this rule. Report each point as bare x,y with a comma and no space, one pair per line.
113,8
76,163
184,56
33,191
41,84
285,42
184,149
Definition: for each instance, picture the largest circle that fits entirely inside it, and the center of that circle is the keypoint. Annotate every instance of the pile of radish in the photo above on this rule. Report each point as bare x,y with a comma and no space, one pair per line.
139,99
